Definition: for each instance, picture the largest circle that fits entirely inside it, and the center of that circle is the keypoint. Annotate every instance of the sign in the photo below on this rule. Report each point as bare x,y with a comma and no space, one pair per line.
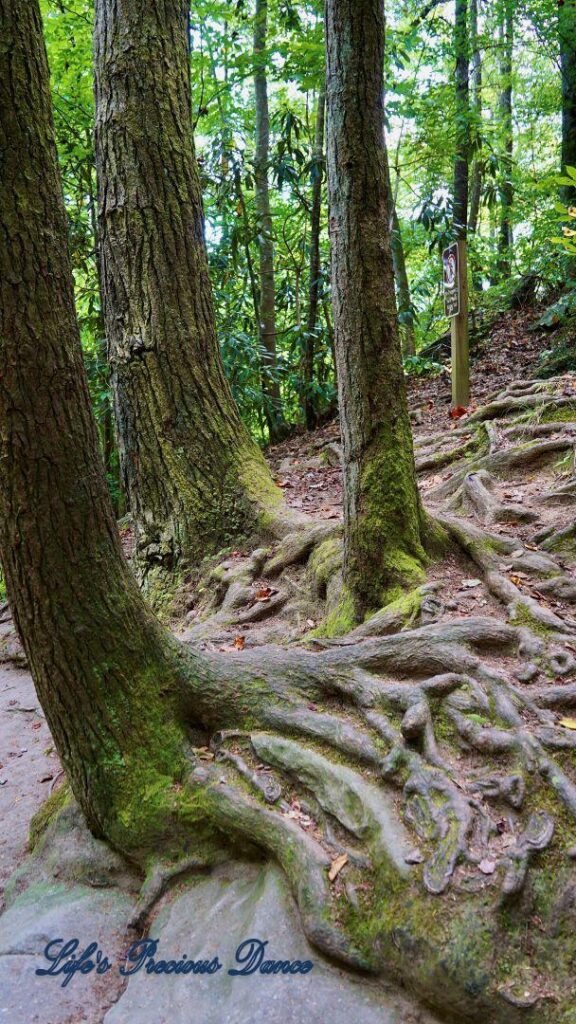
451,279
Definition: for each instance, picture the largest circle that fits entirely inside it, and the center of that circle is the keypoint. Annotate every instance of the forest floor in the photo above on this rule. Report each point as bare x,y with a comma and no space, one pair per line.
520,495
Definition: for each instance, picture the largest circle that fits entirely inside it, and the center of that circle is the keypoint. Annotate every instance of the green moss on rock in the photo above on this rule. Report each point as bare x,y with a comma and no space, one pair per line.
47,813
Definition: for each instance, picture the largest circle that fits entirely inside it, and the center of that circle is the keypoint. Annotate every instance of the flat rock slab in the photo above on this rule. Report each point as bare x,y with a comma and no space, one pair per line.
211,918
41,914
26,756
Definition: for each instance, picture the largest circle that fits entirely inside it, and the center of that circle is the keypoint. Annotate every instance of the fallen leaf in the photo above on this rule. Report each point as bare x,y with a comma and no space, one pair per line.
264,594
568,723
337,865
470,584
458,412
239,643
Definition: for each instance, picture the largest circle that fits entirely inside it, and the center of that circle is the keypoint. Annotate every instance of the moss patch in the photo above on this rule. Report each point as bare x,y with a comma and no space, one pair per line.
47,813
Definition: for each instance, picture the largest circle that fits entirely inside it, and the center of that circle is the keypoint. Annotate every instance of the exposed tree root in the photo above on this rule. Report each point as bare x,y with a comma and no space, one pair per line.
413,778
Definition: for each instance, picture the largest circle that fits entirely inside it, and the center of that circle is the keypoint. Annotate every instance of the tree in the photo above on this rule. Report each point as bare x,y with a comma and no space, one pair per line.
193,476
383,518
317,176
462,149
267,308
459,323
476,83
506,239
567,37
405,308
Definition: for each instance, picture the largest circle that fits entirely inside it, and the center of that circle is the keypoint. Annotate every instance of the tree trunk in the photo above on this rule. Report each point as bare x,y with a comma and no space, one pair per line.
567,37
505,240
267,317
193,476
477,181
383,518
96,653
476,82
310,411
402,287
462,155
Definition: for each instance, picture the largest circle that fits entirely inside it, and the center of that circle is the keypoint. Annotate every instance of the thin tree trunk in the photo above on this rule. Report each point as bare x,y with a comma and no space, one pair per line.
505,240
402,287
462,154
567,37
476,83
383,518
193,475
267,312
310,411
246,240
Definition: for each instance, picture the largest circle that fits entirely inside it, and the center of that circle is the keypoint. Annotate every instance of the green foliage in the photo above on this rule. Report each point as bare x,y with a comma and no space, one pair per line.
421,135
421,366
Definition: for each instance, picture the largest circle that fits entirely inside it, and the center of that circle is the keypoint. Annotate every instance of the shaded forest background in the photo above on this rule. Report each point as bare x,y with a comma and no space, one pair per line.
257,73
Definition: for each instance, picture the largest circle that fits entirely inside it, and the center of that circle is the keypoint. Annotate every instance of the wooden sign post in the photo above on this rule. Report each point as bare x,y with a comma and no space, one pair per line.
455,276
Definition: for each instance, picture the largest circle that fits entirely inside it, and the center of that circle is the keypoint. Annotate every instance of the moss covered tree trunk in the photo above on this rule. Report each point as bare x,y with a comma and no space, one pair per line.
267,307
193,476
100,661
383,519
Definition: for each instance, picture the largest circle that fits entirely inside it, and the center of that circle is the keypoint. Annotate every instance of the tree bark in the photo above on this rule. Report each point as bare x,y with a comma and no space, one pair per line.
462,154
310,411
402,286
267,312
383,519
506,239
193,476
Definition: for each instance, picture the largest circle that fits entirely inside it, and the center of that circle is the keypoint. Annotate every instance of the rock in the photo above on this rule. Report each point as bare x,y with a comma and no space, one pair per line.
47,912
332,454
212,918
